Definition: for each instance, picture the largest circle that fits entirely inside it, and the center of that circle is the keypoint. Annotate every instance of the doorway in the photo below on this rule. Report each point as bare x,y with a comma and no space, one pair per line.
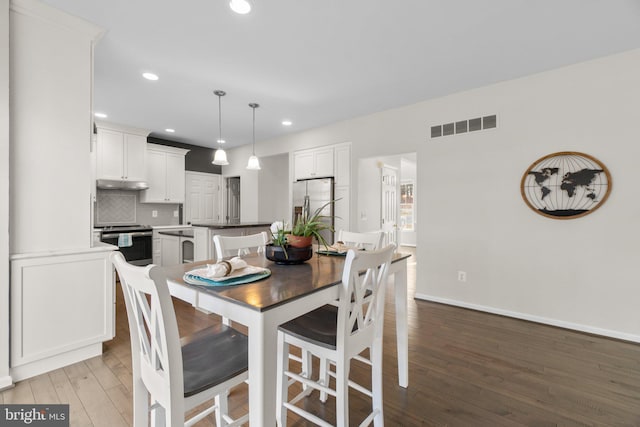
386,206
233,199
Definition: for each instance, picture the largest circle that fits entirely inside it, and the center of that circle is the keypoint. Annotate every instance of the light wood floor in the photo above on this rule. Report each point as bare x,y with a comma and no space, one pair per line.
467,368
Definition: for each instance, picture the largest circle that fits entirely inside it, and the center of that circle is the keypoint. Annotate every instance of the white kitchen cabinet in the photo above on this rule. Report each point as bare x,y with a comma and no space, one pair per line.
165,175
121,153
62,308
202,197
170,250
341,208
314,163
342,163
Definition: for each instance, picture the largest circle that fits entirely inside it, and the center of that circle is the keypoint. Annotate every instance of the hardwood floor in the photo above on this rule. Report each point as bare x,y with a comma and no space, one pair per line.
467,368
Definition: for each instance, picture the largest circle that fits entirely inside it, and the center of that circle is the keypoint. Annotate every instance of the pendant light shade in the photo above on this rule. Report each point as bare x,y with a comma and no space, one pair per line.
241,7
254,163
220,158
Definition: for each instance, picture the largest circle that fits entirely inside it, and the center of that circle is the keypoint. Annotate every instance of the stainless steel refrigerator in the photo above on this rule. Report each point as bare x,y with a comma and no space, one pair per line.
309,195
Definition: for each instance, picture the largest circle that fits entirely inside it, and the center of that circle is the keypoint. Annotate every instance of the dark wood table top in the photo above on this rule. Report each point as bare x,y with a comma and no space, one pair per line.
286,283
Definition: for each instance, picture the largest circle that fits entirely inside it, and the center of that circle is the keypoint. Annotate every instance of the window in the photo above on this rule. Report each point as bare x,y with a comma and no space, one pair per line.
406,206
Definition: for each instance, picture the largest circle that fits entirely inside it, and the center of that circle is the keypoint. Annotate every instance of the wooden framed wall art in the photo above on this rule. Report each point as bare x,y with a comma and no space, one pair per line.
566,185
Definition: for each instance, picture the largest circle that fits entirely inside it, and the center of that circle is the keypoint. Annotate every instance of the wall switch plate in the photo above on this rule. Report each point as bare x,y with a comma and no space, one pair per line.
175,214
154,214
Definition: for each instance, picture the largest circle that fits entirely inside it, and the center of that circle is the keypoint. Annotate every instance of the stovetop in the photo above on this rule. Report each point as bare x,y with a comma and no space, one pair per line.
124,228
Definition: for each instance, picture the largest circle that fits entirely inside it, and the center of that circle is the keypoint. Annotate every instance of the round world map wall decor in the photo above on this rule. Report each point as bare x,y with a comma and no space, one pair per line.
566,185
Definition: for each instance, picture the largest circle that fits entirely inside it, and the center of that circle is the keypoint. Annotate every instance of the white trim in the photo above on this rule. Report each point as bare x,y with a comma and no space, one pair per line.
167,149
532,318
6,383
97,247
53,16
122,128
49,364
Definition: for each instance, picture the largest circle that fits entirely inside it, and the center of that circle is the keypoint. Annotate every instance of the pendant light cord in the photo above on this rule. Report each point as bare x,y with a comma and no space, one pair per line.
219,119
254,130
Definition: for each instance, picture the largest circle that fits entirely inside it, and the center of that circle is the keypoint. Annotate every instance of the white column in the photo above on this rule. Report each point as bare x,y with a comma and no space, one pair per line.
5,379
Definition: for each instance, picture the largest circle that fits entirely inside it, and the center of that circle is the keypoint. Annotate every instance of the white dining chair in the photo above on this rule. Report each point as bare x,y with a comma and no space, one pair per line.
370,240
339,334
239,245
173,375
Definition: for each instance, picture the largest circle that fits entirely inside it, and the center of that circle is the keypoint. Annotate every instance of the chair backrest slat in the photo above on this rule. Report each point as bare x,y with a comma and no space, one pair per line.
369,240
360,313
239,245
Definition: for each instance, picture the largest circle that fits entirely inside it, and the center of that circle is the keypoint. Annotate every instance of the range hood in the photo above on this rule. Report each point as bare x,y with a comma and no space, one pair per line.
113,184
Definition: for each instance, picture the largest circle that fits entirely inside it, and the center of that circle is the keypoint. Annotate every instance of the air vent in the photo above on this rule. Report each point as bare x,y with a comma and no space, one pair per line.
464,126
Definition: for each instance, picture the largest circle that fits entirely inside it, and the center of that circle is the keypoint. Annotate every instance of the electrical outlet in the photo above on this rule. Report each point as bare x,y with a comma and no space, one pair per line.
462,276
175,214
154,214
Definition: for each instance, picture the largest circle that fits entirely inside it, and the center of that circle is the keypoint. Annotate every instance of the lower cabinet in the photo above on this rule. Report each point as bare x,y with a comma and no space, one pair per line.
62,309
172,250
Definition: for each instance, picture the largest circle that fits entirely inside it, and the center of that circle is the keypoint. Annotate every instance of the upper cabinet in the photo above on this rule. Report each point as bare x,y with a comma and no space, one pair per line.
314,163
165,175
342,164
121,153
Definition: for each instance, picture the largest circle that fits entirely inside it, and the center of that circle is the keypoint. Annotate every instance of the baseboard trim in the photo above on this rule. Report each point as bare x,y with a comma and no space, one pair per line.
28,370
532,318
6,382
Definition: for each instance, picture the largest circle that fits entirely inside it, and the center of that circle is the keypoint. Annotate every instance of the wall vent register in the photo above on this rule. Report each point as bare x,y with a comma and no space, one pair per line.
464,126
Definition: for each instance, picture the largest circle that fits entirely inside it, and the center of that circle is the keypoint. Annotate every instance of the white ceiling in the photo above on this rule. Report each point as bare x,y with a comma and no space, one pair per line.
321,61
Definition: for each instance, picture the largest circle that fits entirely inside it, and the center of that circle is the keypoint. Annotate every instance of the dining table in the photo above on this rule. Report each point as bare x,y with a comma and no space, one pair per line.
288,292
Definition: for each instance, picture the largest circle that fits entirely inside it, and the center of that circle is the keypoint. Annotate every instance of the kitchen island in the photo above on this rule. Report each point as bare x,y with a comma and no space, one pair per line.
203,233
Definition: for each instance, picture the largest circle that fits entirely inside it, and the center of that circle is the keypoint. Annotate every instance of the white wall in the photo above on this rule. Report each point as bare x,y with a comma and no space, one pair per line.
4,194
408,172
273,203
577,273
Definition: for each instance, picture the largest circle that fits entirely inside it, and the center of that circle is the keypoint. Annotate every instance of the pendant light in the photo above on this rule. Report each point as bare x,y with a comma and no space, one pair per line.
253,163
241,7
220,158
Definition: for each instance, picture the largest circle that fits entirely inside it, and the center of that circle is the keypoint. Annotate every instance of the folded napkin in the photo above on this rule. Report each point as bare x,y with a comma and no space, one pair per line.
222,268
125,240
341,248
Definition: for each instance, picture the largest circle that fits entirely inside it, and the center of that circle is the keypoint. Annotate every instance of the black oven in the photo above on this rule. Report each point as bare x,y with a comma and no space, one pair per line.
135,242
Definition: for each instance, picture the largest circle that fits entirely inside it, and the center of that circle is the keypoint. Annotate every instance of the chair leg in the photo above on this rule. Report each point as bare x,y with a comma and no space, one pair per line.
324,377
160,417
342,392
140,404
376,381
307,367
282,384
222,408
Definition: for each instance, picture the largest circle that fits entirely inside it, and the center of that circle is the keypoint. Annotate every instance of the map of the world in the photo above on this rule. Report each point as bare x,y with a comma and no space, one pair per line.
566,185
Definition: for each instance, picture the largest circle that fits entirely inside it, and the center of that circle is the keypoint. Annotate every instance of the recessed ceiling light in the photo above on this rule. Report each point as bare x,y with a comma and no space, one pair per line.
221,141
100,115
287,123
241,7
150,76
170,130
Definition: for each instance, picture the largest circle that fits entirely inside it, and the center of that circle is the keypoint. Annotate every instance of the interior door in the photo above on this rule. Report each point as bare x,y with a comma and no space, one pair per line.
202,202
233,199
389,204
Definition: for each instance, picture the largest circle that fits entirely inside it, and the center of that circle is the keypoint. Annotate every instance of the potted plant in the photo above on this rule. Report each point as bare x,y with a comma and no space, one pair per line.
294,246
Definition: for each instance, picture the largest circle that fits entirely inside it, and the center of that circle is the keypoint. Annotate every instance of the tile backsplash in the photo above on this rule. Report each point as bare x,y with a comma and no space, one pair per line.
123,207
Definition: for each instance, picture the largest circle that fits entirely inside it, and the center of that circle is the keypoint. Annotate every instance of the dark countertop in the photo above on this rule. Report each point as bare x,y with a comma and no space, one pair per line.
178,233
220,225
